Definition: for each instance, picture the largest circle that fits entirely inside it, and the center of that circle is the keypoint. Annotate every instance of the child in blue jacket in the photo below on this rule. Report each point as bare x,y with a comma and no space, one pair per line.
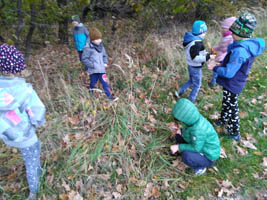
80,35
21,111
234,70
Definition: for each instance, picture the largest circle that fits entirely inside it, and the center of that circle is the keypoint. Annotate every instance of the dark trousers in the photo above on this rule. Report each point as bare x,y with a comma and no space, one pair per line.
104,81
230,112
194,160
80,55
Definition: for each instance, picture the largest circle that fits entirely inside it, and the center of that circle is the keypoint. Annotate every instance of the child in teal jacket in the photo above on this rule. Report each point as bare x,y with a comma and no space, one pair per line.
198,141
21,111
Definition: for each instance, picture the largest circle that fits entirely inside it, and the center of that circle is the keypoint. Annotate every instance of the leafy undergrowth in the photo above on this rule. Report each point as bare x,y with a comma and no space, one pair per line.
97,149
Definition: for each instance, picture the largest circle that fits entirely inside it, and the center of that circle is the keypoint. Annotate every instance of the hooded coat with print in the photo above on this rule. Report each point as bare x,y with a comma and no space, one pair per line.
21,111
199,133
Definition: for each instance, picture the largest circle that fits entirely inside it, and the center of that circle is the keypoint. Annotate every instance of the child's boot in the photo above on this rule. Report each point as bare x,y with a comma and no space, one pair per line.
32,196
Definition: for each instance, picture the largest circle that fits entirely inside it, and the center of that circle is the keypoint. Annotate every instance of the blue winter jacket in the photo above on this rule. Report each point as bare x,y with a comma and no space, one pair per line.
233,72
21,111
81,36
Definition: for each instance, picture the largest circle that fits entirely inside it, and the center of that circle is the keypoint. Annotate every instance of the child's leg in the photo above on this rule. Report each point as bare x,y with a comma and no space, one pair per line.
196,74
196,160
234,121
187,84
213,79
229,105
104,81
93,80
31,157
80,55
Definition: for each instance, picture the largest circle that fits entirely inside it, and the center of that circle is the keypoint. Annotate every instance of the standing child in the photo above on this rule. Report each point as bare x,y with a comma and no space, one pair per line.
80,35
95,61
21,111
198,141
196,55
222,48
233,72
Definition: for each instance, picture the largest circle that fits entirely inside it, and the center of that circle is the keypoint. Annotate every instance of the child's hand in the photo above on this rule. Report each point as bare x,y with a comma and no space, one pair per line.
212,56
212,63
178,131
174,148
106,65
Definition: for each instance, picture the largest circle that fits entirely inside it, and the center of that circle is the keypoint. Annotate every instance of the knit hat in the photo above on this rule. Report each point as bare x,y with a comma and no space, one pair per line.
199,27
76,18
227,23
95,34
11,60
185,111
244,25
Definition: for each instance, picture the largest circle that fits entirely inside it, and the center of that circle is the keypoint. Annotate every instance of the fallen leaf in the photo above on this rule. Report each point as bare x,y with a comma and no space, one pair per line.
74,120
66,186
116,195
248,144
119,171
241,151
223,154
264,164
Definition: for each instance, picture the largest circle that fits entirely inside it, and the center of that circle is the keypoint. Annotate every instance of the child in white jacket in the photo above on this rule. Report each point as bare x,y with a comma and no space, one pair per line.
21,111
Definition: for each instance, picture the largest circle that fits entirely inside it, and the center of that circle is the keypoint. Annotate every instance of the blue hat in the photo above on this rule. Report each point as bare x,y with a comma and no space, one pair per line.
199,27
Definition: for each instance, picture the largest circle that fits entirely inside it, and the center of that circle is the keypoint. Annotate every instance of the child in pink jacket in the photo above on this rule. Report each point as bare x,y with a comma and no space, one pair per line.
225,41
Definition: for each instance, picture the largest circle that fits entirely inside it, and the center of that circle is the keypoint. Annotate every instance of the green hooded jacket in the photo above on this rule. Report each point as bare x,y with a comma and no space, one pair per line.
198,133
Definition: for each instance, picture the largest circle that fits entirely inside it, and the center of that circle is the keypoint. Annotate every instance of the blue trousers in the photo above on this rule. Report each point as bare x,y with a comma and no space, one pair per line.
104,81
194,160
213,79
195,77
31,157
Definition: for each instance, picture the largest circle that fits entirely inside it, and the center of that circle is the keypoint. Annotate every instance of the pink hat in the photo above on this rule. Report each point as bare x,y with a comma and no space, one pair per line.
227,23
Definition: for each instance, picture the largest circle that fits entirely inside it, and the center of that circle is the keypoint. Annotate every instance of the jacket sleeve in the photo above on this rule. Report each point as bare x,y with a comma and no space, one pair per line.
197,142
105,56
235,62
35,109
87,58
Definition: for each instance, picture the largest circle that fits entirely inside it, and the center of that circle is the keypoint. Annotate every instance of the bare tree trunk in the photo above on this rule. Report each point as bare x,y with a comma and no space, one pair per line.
31,30
2,5
63,25
20,21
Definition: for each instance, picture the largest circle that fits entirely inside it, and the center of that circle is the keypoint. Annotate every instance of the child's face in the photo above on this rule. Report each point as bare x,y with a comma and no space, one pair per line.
97,42
202,35
74,23
224,30
236,37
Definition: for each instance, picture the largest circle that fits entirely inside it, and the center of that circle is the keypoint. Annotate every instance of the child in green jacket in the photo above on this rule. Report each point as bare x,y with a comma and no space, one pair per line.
198,142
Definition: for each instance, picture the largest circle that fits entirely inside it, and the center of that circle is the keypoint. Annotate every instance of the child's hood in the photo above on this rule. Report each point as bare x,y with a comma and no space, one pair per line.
254,46
186,112
13,93
189,37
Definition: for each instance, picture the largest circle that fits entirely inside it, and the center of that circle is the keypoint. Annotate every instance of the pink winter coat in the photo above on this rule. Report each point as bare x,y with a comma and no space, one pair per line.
222,48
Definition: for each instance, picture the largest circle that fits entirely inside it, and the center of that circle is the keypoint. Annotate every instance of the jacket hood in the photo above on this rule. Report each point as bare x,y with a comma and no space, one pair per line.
254,46
186,112
13,92
189,37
